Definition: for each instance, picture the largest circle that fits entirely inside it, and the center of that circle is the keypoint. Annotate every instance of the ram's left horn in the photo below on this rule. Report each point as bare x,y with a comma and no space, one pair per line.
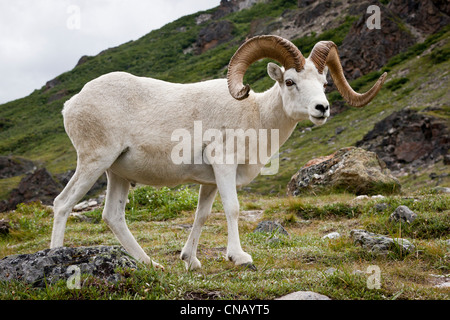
325,53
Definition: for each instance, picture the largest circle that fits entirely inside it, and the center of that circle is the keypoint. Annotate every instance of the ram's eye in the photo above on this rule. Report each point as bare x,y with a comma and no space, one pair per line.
289,82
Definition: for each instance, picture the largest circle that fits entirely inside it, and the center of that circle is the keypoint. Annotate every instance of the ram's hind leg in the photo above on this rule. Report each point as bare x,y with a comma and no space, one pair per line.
114,216
80,183
206,197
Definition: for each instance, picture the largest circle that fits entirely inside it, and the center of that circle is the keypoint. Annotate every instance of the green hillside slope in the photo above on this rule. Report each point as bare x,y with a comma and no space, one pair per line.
32,127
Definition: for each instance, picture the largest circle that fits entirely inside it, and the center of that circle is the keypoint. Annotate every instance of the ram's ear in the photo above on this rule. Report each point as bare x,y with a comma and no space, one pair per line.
275,72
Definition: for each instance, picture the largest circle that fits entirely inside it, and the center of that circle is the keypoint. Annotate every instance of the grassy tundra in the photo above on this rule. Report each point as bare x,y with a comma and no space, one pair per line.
160,220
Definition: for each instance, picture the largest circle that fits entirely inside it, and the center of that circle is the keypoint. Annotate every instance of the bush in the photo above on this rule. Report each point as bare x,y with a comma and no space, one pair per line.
163,203
440,55
396,84
308,211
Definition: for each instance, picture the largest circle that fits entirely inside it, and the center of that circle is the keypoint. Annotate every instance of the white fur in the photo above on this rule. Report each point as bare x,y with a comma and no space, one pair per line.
122,124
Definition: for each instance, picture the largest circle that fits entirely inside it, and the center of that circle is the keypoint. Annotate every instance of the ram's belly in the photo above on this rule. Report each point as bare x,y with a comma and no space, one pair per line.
156,168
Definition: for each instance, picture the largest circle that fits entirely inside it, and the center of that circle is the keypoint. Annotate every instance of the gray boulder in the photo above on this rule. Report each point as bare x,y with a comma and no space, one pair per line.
271,227
50,265
380,244
403,213
349,169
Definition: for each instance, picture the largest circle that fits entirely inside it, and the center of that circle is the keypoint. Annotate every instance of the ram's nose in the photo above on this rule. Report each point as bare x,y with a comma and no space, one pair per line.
322,108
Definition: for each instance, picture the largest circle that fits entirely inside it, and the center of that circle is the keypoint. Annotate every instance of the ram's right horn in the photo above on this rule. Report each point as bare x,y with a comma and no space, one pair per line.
269,46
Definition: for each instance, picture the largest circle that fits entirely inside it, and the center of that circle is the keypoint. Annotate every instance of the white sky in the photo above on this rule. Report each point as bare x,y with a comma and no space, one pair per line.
40,39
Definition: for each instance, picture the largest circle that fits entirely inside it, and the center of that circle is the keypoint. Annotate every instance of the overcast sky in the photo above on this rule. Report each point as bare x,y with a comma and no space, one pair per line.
40,39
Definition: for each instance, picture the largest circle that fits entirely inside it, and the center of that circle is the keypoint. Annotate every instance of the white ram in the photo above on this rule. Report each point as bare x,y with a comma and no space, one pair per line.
123,124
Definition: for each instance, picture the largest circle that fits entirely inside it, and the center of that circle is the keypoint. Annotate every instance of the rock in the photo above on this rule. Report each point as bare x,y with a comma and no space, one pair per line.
52,83
53,264
406,140
4,226
349,169
214,34
381,206
364,50
228,6
81,206
330,270
403,213
403,23
251,215
332,235
304,295
442,189
36,186
14,166
203,18
270,227
440,281
427,16
443,285
380,244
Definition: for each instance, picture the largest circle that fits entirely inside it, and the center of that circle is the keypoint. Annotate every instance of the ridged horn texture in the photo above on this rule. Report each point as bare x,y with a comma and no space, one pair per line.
267,46
325,53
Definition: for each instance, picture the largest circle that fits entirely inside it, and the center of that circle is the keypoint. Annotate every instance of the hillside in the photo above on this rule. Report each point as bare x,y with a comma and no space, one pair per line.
414,51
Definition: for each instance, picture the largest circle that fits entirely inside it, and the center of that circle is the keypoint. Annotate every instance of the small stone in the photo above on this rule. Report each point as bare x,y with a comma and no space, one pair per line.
270,227
377,243
92,203
381,206
332,235
81,206
330,270
442,189
403,213
443,285
304,295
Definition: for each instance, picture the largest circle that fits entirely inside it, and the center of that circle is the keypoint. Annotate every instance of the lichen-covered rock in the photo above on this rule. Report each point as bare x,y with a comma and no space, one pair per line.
270,227
403,213
377,243
348,169
408,140
51,265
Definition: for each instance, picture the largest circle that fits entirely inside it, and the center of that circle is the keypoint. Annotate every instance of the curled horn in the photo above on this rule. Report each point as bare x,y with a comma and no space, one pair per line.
268,46
325,53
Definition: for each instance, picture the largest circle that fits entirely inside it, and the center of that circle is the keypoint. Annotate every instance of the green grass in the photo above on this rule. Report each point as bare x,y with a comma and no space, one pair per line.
163,203
300,261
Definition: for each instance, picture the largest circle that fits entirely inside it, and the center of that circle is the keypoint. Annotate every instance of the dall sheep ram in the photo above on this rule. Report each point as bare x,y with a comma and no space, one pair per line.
124,124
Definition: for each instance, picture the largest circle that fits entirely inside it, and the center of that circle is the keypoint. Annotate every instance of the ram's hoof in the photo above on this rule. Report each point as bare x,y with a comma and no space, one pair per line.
248,266
157,266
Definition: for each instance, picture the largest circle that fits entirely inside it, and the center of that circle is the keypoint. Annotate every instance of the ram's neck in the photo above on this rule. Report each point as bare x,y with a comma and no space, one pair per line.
272,113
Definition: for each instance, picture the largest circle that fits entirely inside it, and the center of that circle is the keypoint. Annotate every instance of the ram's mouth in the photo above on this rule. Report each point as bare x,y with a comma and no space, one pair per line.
318,120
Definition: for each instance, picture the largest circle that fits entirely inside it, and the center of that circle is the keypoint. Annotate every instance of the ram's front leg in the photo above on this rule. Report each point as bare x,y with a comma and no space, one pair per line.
226,182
